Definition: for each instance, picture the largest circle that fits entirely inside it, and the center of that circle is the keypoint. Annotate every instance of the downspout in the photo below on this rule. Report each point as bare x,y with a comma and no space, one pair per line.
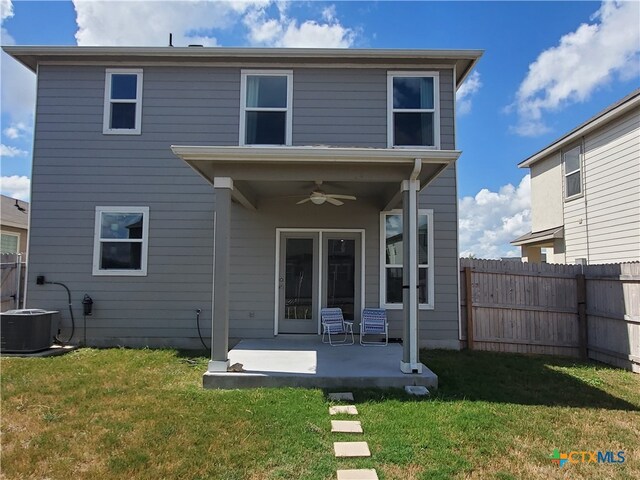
410,361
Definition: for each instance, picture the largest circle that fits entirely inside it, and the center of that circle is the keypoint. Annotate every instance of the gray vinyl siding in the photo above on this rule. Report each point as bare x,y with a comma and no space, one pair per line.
77,168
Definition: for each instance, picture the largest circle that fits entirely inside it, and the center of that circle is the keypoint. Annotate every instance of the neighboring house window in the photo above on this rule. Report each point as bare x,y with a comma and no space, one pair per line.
121,241
9,242
122,101
413,110
392,258
572,173
265,107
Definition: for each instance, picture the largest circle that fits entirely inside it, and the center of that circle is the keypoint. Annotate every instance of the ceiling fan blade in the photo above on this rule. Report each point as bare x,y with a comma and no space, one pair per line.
333,201
303,201
343,197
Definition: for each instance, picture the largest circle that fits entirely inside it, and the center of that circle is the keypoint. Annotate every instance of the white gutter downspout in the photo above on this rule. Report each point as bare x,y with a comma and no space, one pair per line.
410,362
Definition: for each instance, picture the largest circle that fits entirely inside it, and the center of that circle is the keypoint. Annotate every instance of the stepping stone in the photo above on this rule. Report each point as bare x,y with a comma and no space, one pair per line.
351,449
348,409
340,396
346,426
368,474
417,390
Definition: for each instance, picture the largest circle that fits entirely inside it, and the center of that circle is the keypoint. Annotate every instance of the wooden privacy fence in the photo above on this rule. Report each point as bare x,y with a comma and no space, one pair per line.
590,311
12,277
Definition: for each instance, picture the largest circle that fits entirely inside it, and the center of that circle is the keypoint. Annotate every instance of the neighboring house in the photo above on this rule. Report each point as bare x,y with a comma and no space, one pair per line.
585,191
14,225
130,141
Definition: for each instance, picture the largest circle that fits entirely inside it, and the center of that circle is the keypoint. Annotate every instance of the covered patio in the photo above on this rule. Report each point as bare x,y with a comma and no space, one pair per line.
386,179
292,361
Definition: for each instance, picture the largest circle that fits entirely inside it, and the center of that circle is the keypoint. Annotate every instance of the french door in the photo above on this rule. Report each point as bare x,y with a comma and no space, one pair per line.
317,269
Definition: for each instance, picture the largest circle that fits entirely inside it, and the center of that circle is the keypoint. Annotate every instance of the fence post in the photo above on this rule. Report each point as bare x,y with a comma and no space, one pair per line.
18,279
583,337
469,306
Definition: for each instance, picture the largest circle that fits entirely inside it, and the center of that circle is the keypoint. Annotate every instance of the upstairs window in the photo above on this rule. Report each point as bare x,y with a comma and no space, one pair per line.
572,173
265,110
120,243
413,110
122,102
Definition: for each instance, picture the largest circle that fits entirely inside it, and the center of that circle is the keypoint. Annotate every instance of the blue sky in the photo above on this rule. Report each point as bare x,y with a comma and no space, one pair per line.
545,70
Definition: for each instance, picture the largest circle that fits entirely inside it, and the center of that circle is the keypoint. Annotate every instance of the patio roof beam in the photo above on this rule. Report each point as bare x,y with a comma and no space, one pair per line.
240,194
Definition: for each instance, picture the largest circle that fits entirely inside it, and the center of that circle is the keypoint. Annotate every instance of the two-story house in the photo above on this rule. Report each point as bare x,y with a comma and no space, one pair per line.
255,185
585,191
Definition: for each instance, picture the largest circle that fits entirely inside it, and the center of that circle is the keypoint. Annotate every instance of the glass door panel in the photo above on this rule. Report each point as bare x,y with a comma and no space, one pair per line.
341,272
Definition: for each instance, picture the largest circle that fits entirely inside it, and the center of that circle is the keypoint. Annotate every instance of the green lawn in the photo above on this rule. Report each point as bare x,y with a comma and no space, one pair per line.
142,414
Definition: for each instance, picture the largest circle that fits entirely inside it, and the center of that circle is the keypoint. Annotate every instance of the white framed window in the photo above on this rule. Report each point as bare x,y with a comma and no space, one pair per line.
9,242
121,241
391,258
266,100
413,110
122,101
572,172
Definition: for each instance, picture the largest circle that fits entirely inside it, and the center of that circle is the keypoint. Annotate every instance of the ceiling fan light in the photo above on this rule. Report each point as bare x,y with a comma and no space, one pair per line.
318,200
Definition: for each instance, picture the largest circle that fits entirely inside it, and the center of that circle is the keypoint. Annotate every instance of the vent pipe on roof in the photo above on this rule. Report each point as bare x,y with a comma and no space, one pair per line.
171,39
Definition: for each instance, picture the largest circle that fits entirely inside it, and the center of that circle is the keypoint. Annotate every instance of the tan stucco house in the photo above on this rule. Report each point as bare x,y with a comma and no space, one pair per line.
585,191
14,220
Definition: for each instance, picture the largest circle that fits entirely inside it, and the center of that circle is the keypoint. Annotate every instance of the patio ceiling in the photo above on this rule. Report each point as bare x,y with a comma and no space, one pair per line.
268,172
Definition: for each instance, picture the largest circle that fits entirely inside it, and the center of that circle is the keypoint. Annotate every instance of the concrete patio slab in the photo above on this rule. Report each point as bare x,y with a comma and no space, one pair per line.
343,409
351,449
346,426
341,396
362,474
304,361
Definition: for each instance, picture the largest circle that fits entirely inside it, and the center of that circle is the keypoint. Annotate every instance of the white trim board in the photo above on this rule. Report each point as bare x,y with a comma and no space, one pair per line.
142,272
244,73
319,231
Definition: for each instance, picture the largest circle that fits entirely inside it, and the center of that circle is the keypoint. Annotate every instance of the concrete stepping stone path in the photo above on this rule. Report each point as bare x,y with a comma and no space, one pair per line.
346,426
363,474
351,449
347,409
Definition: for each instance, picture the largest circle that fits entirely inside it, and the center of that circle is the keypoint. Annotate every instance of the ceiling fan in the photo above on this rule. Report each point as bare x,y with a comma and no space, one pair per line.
318,197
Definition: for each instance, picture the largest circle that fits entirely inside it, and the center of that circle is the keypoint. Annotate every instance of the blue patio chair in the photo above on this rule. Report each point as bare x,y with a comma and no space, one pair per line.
374,322
333,323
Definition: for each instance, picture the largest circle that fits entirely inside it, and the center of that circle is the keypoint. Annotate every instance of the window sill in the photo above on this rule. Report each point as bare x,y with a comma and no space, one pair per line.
415,147
396,306
119,273
574,197
122,132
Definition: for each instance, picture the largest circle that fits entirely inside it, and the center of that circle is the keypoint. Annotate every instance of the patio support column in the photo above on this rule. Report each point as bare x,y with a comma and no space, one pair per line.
223,187
410,362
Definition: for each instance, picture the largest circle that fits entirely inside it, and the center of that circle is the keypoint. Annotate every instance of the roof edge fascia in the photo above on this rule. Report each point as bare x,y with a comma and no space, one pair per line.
580,131
301,154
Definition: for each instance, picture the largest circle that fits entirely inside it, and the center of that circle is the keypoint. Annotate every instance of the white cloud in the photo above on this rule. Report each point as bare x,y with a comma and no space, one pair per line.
468,89
17,83
17,130
490,220
118,23
15,187
9,151
6,9
283,31
191,22
584,60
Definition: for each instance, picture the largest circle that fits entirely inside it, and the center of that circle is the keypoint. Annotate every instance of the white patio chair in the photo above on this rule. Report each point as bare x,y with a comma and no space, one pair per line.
374,322
333,323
